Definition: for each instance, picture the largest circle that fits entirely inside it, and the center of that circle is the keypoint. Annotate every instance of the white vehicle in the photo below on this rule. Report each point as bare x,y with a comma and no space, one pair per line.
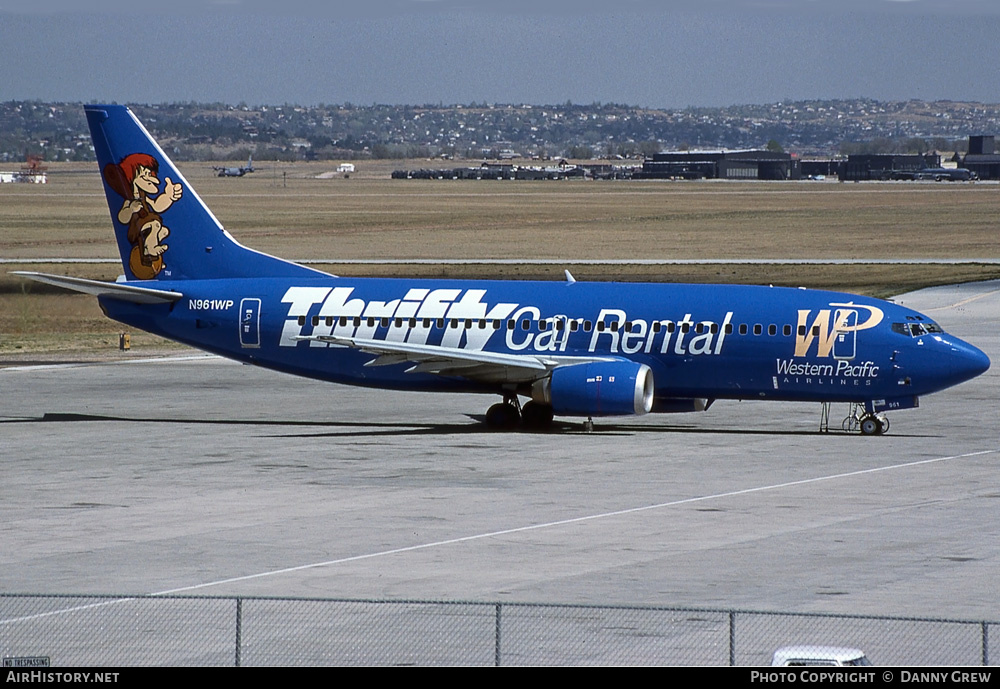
836,656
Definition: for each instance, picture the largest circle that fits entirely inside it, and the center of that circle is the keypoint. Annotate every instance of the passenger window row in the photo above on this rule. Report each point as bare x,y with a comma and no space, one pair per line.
558,324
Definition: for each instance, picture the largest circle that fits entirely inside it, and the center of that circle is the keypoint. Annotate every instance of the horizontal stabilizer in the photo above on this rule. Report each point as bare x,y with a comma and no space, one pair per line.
113,290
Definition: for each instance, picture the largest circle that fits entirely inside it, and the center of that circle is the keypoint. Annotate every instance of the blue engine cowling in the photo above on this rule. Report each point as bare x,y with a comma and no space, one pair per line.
604,388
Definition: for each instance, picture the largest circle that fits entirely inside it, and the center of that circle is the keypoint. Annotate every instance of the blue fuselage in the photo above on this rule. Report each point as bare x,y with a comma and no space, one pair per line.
700,341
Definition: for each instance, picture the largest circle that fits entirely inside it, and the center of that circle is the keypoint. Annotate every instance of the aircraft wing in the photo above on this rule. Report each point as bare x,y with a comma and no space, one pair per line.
115,290
487,367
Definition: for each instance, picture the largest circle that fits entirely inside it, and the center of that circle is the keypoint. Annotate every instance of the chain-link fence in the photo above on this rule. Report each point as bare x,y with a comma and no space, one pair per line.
251,631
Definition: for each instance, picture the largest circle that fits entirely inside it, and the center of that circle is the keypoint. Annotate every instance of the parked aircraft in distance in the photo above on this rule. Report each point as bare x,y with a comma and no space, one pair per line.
938,174
947,174
571,348
235,171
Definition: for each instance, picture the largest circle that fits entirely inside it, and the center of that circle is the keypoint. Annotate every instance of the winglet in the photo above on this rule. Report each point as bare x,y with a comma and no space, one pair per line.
569,276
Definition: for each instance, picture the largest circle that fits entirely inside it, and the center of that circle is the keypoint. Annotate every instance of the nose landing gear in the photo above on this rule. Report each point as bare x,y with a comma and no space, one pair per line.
862,421
873,425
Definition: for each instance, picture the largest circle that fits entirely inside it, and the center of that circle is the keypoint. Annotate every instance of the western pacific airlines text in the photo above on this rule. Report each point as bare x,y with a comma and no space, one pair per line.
792,372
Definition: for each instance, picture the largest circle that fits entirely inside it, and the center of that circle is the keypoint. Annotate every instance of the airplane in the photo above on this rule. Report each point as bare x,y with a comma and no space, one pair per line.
235,171
577,349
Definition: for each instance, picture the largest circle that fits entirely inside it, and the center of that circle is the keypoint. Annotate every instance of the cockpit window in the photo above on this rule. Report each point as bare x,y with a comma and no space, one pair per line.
916,329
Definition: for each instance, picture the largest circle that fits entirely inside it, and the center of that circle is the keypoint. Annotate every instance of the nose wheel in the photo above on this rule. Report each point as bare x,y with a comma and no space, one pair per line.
864,422
873,425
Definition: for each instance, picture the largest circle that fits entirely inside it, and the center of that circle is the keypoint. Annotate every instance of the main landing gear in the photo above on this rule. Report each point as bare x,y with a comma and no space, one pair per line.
509,414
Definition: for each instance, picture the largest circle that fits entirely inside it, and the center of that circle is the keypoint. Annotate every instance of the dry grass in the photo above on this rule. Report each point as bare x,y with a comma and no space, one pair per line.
286,211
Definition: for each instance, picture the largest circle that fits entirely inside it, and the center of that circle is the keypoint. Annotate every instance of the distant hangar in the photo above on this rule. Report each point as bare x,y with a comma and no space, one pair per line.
982,158
747,164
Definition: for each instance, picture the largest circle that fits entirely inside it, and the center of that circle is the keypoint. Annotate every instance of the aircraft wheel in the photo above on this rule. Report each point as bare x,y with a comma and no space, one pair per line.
502,417
536,417
870,425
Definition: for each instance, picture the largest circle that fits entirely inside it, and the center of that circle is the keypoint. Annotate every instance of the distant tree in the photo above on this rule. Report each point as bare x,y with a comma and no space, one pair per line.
650,148
774,147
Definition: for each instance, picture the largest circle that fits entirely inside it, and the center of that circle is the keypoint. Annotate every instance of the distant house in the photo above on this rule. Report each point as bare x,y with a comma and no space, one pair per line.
345,168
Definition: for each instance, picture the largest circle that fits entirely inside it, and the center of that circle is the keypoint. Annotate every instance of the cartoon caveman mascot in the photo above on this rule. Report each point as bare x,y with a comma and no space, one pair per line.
134,179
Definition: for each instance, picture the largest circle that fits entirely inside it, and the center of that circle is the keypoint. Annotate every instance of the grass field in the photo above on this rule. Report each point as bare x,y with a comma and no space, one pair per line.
285,210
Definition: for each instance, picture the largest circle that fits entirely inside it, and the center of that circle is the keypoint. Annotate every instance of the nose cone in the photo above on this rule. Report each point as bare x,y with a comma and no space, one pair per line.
941,361
966,361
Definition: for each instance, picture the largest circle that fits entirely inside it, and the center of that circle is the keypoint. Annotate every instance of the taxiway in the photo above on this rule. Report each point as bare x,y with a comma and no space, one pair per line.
197,475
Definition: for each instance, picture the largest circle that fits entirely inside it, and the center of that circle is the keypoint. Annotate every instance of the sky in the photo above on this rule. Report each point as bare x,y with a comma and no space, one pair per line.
658,54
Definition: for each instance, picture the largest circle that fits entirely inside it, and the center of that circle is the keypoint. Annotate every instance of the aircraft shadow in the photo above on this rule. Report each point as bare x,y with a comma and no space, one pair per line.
385,428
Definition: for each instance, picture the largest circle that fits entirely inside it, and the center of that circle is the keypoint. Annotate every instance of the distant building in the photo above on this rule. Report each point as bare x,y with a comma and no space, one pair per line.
827,167
982,158
720,165
864,168
23,177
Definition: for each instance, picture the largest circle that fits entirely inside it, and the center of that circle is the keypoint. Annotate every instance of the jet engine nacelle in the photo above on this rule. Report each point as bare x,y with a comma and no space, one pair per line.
604,388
